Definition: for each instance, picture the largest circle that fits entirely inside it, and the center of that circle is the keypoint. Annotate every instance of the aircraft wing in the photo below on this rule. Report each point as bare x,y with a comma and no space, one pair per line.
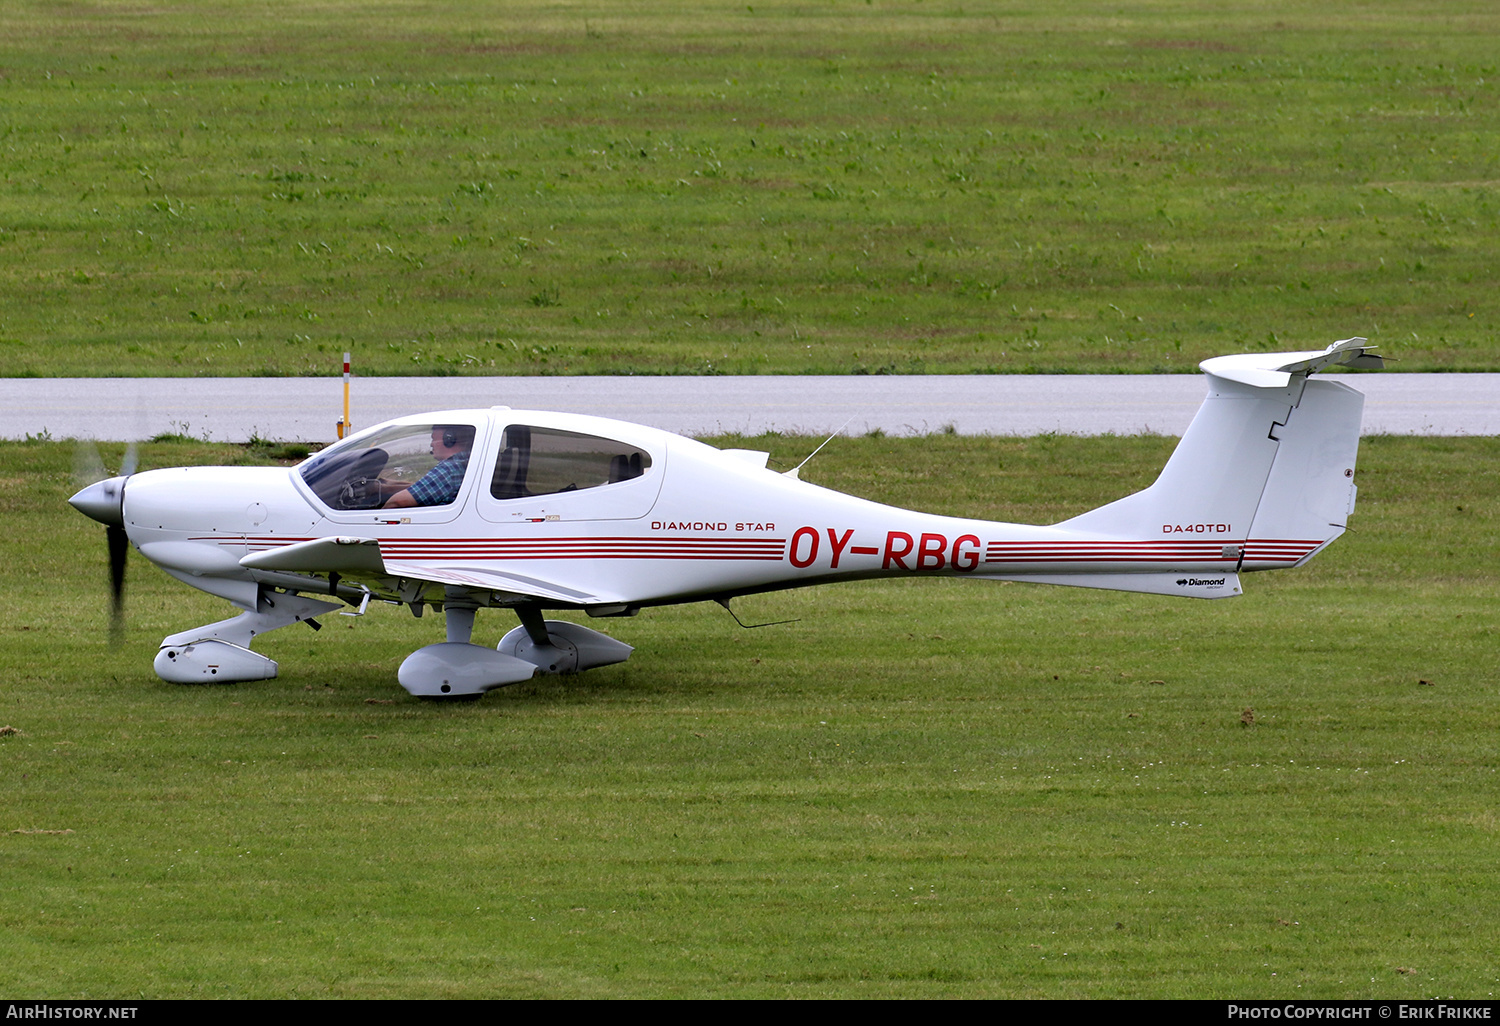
360,559
321,555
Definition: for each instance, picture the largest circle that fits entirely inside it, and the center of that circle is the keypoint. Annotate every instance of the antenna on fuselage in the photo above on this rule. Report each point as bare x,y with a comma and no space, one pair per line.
794,473
751,626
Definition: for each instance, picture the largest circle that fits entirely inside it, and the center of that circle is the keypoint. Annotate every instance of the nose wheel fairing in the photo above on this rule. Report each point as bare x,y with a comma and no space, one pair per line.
219,653
211,661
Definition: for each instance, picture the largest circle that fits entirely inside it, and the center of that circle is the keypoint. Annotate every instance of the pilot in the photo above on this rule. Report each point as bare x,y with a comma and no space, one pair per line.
451,443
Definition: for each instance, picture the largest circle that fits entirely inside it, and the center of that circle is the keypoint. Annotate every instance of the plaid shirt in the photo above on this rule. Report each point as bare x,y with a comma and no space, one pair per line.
439,486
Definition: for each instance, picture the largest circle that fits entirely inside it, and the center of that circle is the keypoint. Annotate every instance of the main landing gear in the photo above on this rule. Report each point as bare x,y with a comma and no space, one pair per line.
456,669
219,653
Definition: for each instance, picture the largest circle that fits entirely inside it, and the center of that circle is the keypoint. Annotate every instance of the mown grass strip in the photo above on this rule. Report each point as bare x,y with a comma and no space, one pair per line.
922,788
768,188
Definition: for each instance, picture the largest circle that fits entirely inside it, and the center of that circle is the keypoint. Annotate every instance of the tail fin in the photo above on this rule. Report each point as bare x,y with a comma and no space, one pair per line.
1266,467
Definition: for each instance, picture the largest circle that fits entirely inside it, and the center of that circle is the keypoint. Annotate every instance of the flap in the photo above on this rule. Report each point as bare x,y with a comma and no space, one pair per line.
495,580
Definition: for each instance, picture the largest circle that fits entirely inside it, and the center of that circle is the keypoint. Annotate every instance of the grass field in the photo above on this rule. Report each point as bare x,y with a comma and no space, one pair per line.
835,186
922,788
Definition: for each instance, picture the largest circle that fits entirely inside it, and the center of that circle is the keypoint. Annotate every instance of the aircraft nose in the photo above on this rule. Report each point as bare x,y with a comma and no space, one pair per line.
102,501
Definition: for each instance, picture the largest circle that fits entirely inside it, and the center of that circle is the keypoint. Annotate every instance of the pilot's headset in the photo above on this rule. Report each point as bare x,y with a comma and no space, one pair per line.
453,434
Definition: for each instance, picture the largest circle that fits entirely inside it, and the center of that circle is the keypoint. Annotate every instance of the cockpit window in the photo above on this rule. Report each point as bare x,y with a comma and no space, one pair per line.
543,461
402,465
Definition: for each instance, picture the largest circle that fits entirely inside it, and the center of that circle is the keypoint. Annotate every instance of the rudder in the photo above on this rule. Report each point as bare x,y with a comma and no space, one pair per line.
1310,491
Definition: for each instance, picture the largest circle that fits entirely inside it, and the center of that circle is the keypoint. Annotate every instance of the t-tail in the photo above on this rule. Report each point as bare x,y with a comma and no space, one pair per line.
1262,479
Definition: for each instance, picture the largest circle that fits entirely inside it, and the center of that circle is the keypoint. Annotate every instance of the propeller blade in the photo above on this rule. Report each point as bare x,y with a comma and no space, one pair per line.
99,496
119,547
88,467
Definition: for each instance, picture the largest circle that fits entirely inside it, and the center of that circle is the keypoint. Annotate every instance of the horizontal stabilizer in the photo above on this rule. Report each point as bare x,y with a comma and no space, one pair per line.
1275,370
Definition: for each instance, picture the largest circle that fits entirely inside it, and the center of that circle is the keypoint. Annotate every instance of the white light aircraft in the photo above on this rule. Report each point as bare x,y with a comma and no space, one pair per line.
528,511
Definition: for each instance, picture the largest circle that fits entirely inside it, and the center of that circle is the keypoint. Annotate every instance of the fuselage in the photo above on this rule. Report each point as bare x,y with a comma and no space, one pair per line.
692,522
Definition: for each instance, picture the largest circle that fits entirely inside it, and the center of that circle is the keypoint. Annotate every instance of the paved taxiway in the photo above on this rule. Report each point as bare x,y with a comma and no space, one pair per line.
306,409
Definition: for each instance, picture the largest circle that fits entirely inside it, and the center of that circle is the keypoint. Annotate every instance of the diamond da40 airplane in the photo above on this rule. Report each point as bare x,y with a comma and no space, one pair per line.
530,511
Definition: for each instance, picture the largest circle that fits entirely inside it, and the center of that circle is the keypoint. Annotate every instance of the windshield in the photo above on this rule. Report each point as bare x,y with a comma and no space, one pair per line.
402,465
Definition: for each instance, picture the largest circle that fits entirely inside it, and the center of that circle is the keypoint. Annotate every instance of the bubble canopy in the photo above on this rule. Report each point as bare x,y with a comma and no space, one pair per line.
363,472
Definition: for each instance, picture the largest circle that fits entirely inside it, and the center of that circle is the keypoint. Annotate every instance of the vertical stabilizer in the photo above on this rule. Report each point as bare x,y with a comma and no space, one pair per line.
1211,486
1266,467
